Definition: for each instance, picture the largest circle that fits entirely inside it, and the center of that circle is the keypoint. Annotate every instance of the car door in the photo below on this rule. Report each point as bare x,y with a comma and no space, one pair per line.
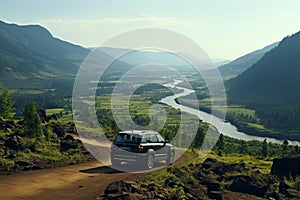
158,147
163,150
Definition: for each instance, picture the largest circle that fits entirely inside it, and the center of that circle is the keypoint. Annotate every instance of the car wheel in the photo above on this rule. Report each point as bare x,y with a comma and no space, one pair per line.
150,161
170,158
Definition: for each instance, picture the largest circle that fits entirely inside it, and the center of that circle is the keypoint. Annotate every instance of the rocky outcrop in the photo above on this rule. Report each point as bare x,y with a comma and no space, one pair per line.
133,190
69,142
8,125
253,184
43,115
15,142
211,179
286,166
59,131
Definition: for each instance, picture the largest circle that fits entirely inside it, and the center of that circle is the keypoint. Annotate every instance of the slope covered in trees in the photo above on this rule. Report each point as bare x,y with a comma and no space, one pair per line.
271,87
32,52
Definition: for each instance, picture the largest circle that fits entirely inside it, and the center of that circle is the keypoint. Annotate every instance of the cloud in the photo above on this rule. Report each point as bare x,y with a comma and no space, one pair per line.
143,20
91,32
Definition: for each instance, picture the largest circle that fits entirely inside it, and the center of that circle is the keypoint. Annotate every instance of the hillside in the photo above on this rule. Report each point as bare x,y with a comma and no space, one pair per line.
32,52
271,87
243,63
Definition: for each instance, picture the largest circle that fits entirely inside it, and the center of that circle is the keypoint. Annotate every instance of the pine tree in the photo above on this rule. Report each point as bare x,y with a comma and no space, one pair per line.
6,106
199,137
265,150
32,121
296,151
221,145
285,145
243,147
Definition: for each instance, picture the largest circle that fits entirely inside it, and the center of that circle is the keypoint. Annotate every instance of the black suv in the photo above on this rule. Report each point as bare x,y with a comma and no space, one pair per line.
143,147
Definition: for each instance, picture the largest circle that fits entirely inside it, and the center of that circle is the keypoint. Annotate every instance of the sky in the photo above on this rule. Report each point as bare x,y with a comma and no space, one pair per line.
225,29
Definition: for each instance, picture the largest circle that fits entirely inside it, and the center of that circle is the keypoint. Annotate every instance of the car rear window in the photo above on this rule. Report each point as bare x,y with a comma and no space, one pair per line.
127,138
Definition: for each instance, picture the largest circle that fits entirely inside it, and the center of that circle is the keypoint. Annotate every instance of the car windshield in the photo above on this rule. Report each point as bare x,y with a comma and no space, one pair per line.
127,138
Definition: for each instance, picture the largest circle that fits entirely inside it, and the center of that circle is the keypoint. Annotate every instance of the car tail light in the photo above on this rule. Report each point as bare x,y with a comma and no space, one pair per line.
141,148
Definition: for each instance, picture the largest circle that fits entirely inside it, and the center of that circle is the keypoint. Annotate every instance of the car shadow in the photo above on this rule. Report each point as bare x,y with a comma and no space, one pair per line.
101,170
126,168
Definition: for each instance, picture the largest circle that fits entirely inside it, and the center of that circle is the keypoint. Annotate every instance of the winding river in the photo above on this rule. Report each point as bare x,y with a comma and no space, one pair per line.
225,128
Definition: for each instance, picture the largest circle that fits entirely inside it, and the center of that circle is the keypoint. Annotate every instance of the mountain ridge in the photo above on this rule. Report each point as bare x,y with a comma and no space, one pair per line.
239,65
30,51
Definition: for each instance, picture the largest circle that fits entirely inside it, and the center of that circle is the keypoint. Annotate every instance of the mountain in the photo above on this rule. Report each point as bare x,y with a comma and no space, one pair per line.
220,62
271,86
276,75
241,64
32,52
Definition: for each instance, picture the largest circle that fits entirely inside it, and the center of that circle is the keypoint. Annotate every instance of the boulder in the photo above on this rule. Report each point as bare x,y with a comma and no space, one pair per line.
286,166
69,137
212,185
253,184
284,187
59,131
7,124
10,124
69,144
24,163
132,190
1,123
126,196
209,162
15,142
217,195
119,187
196,190
219,168
52,117
43,115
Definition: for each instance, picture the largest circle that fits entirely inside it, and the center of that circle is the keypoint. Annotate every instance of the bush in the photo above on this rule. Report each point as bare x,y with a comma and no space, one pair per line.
6,165
297,183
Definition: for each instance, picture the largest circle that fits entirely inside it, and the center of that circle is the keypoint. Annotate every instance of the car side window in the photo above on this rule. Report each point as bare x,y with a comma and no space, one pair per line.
153,138
160,138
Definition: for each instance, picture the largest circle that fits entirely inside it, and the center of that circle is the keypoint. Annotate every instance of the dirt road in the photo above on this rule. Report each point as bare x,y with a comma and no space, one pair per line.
76,182
83,181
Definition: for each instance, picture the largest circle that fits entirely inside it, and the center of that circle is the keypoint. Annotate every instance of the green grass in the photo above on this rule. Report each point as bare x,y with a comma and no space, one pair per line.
257,126
239,110
54,111
251,165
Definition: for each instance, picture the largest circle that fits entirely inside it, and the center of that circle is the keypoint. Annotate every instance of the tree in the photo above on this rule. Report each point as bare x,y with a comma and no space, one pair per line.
7,110
199,137
243,147
285,145
296,151
221,145
32,121
265,149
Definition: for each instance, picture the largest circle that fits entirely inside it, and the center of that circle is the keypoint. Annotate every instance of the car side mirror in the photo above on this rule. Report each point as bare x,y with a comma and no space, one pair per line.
166,141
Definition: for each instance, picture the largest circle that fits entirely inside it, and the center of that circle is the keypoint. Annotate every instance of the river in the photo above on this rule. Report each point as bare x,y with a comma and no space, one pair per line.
226,128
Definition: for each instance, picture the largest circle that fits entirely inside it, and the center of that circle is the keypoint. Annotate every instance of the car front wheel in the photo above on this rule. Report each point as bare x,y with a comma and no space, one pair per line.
150,161
170,158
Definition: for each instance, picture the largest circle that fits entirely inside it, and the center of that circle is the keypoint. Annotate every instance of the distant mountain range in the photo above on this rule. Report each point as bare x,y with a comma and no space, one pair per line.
243,63
32,52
